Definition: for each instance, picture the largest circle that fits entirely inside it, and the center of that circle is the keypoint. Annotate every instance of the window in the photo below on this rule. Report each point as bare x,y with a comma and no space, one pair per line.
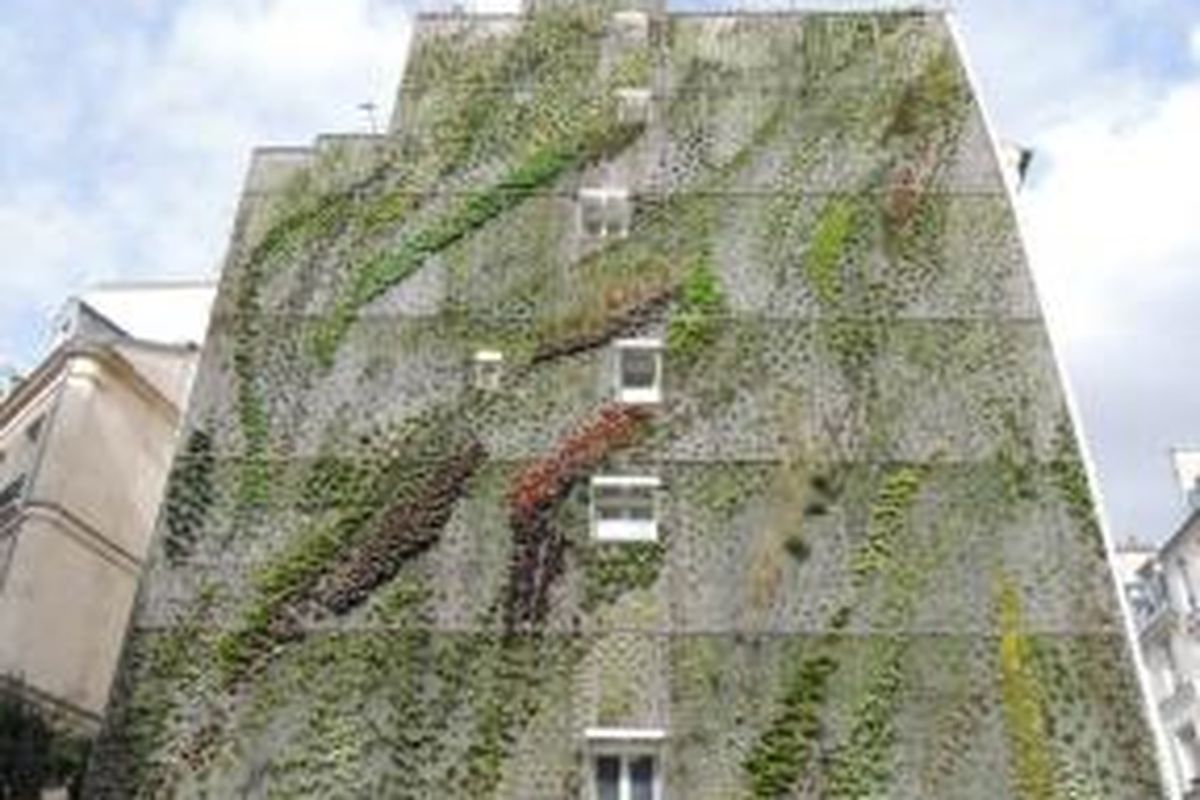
1186,583
1158,588
631,27
626,777
34,431
624,508
633,106
604,212
1188,749
1167,670
639,370
10,501
488,370
625,764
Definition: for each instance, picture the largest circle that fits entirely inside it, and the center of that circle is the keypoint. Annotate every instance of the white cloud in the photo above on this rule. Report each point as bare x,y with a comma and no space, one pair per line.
1108,217
493,6
1025,81
1113,219
1112,236
288,60
137,155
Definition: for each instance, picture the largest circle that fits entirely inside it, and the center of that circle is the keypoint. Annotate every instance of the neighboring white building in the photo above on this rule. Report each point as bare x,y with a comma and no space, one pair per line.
1186,462
1163,587
86,440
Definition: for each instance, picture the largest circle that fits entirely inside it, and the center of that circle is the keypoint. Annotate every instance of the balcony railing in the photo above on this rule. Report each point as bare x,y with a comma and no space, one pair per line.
1149,617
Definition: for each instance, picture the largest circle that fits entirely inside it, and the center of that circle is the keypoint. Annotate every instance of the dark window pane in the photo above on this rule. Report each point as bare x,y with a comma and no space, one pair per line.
593,216
641,507
641,777
608,778
639,368
624,502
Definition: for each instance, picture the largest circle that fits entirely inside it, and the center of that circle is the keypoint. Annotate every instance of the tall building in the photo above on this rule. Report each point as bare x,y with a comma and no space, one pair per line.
86,441
661,408
1164,593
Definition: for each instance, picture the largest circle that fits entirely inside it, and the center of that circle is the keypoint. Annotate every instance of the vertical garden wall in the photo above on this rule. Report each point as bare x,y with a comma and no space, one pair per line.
877,572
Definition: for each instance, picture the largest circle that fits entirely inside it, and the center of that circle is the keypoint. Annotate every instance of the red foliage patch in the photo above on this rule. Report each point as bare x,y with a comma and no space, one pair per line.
907,184
539,548
543,482
406,530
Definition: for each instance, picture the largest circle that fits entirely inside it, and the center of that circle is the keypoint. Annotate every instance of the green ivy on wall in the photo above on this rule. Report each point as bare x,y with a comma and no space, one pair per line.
789,746
423,602
189,496
889,519
612,570
697,321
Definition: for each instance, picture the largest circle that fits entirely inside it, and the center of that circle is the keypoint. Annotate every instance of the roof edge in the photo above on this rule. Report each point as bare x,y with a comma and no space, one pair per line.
794,9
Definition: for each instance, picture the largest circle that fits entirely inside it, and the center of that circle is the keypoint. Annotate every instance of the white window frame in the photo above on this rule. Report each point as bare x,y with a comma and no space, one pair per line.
604,197
638,395
633,105
487,370
626,744
631,26
625,530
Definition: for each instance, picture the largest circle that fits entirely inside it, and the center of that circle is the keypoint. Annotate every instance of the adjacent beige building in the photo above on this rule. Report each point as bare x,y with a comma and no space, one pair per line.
86,440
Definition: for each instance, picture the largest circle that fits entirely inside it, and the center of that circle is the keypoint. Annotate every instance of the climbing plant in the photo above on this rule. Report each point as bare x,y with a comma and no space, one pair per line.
380,573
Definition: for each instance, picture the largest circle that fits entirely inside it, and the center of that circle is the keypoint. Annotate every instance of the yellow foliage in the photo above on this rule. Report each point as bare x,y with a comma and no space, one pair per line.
1024,714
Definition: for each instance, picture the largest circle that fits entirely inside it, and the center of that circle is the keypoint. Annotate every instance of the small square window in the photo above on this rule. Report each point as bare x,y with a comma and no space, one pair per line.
633,106
631,27
488,370
639,370
604,212
625,764
625,508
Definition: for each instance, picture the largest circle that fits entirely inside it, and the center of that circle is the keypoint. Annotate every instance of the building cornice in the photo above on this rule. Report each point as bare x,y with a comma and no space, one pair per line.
1175,538
863,9
56,367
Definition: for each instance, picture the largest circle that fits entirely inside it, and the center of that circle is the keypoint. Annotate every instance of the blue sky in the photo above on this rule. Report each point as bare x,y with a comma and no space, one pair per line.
127,126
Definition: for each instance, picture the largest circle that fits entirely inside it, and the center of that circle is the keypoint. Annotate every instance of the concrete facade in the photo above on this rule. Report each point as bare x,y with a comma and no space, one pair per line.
86,442
824,533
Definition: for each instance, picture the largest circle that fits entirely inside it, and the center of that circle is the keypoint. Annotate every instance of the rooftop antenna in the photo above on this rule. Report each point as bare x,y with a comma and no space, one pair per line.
368,109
